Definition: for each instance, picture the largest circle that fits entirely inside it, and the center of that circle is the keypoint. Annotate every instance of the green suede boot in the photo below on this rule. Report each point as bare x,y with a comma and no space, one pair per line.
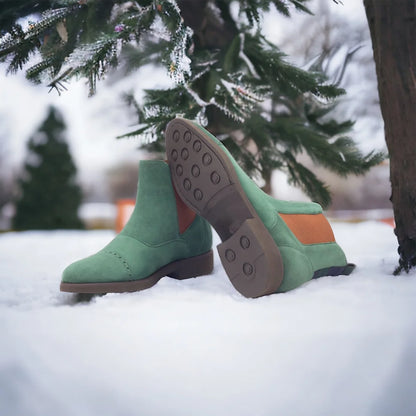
268,246
162,238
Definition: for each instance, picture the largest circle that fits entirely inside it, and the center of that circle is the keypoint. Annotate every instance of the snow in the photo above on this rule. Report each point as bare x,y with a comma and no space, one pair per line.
335,346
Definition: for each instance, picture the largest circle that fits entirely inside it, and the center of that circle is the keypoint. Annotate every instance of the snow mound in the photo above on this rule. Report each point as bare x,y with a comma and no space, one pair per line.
335,346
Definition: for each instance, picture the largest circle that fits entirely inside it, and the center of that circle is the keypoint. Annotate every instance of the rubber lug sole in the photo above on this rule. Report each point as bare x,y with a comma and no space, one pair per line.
334,271
180,269
205,179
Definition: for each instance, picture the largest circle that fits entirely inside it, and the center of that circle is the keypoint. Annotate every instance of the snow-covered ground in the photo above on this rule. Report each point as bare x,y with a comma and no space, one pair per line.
336,346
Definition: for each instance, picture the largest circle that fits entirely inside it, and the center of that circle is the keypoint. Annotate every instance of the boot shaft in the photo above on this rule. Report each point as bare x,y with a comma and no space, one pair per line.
159,214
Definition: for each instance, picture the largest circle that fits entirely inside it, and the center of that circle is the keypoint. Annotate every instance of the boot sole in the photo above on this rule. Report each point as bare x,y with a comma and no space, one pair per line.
206,180
180,269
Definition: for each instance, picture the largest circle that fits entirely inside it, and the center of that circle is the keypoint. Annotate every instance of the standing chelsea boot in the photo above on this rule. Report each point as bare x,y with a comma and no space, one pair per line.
268,245
163,237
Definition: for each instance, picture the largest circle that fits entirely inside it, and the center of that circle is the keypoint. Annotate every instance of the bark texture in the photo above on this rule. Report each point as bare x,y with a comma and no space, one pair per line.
214,29
392,26
210,30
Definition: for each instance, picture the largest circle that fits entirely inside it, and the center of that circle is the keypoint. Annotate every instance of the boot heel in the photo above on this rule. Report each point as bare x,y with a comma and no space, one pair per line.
193,266
252,260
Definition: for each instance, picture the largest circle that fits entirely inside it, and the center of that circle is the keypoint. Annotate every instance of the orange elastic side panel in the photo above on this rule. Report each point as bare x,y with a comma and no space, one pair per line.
309,228
185,215
125,208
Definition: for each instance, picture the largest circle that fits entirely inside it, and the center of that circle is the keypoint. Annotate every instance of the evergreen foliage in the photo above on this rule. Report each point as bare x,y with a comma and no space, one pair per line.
49,197
5,174
227,76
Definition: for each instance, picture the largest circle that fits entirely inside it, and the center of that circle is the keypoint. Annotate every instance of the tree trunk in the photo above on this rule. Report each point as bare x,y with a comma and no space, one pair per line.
214,34
392,26
209,31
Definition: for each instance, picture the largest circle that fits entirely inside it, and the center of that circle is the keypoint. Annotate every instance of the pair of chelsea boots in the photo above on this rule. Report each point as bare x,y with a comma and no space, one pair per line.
268,246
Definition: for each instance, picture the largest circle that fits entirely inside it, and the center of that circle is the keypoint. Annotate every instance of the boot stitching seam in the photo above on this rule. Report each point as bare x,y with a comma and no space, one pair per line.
123,260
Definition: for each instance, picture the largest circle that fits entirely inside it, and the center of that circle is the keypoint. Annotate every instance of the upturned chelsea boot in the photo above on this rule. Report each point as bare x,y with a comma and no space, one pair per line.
268,245
163,237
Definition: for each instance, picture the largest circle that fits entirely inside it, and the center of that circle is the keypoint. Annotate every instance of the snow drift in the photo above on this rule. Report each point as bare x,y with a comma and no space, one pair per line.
335,346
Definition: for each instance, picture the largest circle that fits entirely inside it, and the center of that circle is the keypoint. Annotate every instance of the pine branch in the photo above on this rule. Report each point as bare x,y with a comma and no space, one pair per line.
158,109
253,8
342,156
33,73
300,5
17,37
236,96
180,40
93,60
305,179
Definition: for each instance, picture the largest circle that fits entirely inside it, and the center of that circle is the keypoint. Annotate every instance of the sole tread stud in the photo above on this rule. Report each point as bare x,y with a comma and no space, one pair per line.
198,195
207,159
195,171
230,255
179,170
244,242
248,269
184,153
197,146
187,136
215,178
187,184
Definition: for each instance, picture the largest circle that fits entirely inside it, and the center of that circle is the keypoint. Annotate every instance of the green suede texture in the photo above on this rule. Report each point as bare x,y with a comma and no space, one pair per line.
155,200
150,239
300,260
297,266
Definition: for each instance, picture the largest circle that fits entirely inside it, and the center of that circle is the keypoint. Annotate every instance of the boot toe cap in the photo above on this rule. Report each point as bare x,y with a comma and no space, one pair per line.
99,268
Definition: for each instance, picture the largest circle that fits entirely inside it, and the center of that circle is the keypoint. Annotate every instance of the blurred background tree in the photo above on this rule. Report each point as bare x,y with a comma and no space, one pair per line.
227,76
49,196
5,180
